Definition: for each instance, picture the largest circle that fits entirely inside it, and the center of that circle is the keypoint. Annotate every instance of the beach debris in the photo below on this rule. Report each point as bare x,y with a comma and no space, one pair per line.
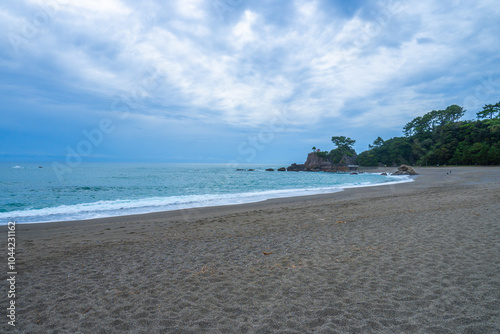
341,222
87,310
267,253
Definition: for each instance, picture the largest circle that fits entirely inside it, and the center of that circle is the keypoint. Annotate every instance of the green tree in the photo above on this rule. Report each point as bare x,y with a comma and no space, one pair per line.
409,129
489,111
418,126
429,122
343,142
367,158
344,148
314,148
453,113
439,137
377,143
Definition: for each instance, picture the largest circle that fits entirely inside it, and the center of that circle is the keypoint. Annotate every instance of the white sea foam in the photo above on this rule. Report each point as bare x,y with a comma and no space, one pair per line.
101,209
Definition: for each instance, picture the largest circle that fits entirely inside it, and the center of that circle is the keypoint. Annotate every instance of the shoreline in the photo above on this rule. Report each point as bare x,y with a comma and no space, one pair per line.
420,256
314,191
212,211
427,177
221,208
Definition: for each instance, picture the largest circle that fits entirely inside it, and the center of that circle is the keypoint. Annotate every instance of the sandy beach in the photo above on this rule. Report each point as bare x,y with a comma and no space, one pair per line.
419,257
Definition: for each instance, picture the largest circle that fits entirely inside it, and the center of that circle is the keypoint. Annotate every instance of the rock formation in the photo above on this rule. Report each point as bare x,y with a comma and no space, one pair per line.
316,163
404,170
295,168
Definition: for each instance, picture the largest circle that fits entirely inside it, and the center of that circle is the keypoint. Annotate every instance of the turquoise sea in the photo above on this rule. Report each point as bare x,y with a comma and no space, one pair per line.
30,194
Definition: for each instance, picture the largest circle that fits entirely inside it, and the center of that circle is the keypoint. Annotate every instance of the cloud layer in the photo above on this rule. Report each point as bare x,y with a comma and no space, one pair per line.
203,68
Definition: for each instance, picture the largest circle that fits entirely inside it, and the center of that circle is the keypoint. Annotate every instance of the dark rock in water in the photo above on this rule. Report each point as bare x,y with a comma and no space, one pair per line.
269,170
385,174
405,170
354,173
250,170
40,167
295,168
282,169
240,170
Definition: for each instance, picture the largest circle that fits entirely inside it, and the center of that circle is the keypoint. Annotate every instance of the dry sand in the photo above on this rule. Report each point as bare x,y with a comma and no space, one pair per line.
420,257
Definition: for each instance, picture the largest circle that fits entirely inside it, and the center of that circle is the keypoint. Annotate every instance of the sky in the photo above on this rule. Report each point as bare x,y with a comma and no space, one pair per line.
233,81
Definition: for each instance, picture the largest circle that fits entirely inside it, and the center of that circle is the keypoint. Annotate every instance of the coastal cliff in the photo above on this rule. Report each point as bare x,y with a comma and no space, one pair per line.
317,163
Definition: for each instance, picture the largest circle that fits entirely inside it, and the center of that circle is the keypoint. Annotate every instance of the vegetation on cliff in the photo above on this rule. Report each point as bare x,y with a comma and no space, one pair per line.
341,153
439,137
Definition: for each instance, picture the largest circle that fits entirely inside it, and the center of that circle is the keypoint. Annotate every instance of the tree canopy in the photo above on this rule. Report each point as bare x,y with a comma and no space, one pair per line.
424,124
341,153
343,142
489,111
439,137
344,149
377,143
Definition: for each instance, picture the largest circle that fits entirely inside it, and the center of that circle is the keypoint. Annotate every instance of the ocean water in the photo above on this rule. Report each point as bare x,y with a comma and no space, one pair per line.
29,194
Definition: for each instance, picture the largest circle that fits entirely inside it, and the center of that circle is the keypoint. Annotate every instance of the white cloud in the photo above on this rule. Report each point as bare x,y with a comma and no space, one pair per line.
241,71
190,9
110,8
243,33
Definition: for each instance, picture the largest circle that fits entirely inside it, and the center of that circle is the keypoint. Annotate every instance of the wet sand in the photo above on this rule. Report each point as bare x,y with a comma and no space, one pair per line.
419,257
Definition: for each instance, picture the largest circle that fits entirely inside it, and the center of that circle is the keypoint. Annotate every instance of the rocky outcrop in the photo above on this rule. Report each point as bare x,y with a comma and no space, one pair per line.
269,170
281,169
295,168
349,160
316,163
405,170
